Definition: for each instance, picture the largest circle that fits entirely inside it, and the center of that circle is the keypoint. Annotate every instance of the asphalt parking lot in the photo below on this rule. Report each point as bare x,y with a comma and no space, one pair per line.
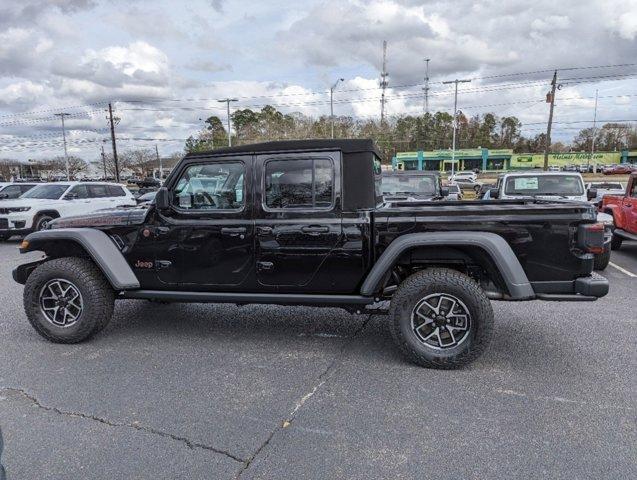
220,392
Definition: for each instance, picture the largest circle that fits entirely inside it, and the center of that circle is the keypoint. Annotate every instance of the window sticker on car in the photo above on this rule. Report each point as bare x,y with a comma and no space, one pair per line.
526,183
185,201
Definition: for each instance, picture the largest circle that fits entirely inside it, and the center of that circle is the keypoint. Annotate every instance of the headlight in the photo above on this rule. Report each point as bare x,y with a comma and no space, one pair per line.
19,209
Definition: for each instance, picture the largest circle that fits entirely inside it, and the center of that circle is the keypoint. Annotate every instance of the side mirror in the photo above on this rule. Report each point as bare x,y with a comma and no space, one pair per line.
591,193
70,196
444,192
162,200
4,196
494,192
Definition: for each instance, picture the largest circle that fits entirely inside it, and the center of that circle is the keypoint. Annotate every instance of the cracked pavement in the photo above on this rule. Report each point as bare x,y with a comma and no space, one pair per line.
214,391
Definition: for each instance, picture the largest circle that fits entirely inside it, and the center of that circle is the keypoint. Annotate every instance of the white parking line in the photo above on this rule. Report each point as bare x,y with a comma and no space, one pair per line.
622,269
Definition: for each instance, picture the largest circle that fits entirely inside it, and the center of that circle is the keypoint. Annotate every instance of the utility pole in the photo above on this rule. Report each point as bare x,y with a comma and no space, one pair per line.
550,98
161,168
66,155
594,134
383,83
426,87
455,120
227,102
104,161
332,102
115,161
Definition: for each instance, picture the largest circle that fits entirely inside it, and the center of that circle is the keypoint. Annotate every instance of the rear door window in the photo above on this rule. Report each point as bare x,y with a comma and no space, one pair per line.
306,183
98,191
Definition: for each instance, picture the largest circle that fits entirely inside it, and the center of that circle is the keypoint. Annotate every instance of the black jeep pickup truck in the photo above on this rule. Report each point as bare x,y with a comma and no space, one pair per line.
304,223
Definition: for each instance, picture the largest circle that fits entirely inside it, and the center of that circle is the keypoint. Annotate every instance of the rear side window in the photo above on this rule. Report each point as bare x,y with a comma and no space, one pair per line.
299,184
98,191
115,191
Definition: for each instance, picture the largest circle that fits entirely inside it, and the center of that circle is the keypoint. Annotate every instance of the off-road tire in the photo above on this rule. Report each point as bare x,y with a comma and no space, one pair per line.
41,221
98,299
445,281
601,260
616,242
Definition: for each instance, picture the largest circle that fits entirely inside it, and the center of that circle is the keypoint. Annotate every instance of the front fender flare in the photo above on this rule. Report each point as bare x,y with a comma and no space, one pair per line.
494,245
98,246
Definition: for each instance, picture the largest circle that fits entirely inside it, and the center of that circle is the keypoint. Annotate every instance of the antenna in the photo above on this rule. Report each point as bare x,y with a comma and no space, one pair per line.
383,82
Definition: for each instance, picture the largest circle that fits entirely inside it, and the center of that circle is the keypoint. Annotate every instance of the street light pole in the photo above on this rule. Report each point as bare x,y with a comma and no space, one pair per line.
594,134
66,155
227,102
332,102
455,120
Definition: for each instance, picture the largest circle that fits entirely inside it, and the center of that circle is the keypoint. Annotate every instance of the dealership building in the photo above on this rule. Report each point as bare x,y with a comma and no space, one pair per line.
502,159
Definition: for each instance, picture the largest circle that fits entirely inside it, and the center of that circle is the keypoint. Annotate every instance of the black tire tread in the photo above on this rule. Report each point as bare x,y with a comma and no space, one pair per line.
601,261
443,277
95,289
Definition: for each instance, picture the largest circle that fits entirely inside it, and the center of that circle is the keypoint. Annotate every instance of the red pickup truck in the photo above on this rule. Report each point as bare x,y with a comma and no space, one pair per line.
623,208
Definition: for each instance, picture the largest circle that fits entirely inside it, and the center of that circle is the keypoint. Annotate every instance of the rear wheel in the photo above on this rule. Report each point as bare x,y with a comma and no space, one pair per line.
601,260
616,242
68,300
441,318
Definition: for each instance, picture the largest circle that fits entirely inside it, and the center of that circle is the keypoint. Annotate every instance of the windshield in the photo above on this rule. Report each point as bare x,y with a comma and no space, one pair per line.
46,192
408,184
532,185
607,186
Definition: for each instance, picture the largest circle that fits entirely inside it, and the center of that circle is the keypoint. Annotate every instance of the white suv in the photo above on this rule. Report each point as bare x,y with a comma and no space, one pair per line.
37,207
466,176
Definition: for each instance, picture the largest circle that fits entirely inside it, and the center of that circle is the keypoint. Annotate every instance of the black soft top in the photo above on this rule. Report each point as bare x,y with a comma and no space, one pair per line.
344,145
358,168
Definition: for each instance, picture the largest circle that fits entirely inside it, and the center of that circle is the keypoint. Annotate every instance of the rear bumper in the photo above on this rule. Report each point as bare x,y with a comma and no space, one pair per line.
624,234
582,289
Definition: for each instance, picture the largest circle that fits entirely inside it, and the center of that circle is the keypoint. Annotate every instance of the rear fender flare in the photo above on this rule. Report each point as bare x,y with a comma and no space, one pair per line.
99,247
494,245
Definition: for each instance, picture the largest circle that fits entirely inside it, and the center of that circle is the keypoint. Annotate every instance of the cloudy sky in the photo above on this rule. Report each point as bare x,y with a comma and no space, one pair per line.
164,63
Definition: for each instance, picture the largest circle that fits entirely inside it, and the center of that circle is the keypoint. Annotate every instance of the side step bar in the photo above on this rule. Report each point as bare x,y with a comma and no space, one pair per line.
247,298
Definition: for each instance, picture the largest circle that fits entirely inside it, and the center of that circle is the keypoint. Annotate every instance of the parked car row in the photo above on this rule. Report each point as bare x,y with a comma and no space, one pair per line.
45,202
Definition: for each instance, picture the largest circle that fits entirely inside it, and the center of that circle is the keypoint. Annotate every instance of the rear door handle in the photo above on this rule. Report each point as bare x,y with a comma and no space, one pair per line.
315,229
233,231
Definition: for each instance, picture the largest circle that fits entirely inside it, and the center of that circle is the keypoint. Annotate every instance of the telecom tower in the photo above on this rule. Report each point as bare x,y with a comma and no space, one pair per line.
426,87
383,82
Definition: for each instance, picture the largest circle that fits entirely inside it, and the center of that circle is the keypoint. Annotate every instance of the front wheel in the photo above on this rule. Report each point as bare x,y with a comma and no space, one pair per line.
68,300
42,222
441,318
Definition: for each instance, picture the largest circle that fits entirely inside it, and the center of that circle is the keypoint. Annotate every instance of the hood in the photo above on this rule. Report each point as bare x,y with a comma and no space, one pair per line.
112,217
25,202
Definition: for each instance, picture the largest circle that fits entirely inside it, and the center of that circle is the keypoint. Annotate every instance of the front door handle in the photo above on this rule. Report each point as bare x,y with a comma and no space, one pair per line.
265,265
264,230
233,231
315,229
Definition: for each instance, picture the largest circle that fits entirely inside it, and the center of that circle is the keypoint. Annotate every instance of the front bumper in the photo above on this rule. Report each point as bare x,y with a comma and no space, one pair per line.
15,223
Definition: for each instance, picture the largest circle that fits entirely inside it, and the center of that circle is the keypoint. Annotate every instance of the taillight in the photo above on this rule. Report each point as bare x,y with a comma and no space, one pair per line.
590,237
